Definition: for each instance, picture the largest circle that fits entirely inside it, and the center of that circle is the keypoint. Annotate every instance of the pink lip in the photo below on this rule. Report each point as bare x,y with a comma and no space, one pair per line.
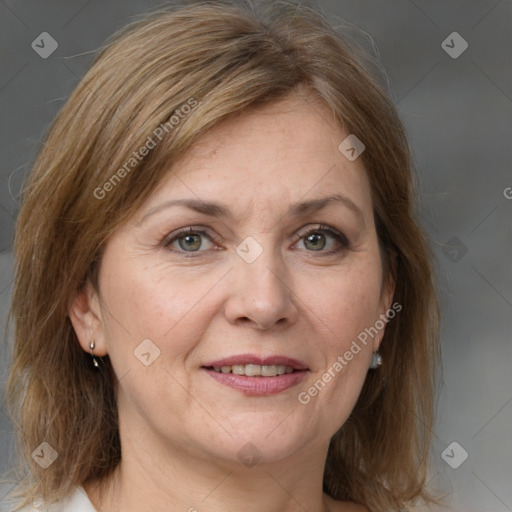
258,386
254,359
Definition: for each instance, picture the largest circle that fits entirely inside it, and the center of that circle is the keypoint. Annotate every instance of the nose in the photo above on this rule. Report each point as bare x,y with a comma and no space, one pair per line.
261,294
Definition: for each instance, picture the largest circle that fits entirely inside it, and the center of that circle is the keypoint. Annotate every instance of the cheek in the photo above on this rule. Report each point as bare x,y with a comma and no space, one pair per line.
159,304
349,306
150,314
347,309
348,303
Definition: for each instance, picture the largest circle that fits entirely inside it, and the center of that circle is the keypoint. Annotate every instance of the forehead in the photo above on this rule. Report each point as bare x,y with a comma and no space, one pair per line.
268,158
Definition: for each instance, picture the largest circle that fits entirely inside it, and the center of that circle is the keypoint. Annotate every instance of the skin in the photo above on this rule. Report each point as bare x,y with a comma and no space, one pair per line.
180,429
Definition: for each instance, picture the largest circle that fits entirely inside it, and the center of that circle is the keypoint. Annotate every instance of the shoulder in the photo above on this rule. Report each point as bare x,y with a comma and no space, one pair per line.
77,501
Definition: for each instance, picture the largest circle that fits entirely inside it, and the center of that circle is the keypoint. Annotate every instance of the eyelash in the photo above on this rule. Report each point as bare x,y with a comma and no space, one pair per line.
339,237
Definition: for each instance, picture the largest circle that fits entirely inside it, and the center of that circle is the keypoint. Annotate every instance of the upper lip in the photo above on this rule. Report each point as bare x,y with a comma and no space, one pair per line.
263,361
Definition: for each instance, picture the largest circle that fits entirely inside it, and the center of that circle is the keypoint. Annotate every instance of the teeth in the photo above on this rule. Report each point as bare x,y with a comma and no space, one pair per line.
238,369
255,370
269,371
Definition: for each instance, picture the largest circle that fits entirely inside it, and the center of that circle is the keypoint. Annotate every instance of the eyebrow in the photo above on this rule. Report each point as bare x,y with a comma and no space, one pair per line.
223,212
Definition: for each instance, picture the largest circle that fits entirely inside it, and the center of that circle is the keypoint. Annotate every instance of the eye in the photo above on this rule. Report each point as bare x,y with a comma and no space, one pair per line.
188,240
317,239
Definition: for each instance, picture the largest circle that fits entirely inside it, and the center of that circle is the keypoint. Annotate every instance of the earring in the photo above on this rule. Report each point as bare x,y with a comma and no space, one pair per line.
376,360
91,348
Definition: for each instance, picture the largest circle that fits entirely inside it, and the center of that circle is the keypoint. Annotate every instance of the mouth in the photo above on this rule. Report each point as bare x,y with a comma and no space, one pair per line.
254,370
257,376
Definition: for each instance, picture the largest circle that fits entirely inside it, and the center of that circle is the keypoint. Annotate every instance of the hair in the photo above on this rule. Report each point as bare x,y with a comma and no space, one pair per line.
223,59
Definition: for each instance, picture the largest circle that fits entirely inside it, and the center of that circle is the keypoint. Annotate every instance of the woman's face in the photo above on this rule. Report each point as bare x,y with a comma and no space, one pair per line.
273,264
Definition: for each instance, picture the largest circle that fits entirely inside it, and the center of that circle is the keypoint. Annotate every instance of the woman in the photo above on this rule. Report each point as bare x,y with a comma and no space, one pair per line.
222,297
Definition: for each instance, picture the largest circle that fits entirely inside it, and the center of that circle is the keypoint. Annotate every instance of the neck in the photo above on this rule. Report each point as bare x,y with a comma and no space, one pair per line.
178,482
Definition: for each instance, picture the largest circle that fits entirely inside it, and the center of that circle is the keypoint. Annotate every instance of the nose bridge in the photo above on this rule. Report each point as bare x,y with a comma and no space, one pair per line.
259,262
261,292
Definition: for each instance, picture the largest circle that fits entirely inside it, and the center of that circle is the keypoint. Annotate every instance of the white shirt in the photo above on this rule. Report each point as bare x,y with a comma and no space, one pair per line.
76,502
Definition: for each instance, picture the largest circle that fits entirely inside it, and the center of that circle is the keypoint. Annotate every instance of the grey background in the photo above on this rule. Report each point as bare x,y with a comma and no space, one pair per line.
458,113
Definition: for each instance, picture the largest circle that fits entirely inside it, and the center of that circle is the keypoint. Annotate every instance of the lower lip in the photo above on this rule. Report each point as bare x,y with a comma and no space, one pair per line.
258,386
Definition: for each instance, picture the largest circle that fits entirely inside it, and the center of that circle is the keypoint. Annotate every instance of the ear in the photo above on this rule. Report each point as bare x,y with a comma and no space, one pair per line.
386,300
86,316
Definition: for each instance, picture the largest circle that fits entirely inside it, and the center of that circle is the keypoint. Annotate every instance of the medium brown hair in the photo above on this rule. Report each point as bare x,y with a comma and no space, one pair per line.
228,57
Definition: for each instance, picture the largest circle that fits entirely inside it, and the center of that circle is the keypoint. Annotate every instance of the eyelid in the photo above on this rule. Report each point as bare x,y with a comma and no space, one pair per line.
201,230
303,232
325,229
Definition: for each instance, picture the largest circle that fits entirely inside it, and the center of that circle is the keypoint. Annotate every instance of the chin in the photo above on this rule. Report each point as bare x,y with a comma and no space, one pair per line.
264,442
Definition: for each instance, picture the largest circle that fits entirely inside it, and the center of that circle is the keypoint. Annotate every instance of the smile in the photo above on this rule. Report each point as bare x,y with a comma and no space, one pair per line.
255,370
257,376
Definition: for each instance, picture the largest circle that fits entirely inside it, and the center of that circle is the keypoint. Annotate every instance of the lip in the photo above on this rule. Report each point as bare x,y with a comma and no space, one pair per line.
258,386
254,359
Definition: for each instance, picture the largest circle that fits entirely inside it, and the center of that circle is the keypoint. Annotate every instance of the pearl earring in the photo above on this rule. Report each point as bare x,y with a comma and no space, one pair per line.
376,360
